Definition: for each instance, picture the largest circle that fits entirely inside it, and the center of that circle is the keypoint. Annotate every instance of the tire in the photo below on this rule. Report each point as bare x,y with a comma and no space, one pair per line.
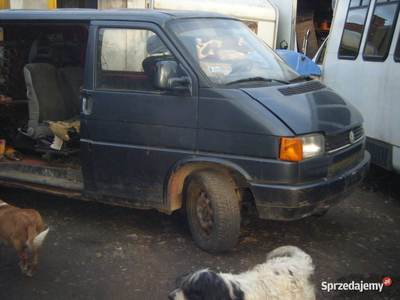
212,211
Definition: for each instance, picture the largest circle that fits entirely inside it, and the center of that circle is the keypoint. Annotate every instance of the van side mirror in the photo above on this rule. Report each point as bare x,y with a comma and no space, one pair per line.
301,63
167,77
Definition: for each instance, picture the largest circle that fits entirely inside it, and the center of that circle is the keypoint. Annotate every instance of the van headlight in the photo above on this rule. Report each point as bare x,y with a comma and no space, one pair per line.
301,147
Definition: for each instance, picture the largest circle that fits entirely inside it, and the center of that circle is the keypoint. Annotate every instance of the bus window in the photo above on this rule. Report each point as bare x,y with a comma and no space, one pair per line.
380,31
353,29
397,50
355,3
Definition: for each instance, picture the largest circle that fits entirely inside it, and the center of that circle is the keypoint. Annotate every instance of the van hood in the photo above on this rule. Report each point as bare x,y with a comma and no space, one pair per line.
306,111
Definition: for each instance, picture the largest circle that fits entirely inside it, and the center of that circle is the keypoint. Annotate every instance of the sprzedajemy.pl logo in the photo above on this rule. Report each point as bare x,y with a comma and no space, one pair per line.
356,286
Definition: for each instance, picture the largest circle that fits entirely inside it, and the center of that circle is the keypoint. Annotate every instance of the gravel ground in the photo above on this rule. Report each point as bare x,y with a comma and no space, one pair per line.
98,251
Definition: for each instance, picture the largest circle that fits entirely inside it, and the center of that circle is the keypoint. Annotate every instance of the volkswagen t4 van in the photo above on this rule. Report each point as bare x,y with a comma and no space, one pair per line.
168,110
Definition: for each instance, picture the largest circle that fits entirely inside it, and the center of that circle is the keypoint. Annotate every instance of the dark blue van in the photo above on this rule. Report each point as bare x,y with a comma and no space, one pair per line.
168,110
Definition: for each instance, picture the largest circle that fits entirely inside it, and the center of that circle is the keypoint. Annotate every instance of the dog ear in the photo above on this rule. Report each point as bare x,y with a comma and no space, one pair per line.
222,289
207,285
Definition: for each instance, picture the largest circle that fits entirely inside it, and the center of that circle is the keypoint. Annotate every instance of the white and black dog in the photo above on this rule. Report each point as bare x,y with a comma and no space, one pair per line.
285,275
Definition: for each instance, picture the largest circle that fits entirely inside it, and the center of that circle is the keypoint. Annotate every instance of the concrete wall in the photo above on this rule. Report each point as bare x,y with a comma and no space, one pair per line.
111,4
30,4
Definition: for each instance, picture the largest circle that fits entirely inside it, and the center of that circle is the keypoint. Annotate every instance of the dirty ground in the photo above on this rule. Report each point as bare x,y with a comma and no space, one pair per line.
98,251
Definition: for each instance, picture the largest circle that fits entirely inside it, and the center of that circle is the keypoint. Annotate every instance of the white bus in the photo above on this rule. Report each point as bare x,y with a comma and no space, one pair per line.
362,62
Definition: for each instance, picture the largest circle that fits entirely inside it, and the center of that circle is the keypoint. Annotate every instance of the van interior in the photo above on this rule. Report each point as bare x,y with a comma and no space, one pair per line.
41,77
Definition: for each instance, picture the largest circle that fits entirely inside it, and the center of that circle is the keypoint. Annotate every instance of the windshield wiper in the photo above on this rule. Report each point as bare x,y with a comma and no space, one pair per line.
249,79
301,78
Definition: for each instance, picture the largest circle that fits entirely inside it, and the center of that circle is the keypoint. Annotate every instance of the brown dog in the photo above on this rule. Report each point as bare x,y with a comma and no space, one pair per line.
22,228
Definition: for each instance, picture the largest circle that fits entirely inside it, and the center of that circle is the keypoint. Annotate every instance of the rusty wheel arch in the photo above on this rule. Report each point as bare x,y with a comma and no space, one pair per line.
178,179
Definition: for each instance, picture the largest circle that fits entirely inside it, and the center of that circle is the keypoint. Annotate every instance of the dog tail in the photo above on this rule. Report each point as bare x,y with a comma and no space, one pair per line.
35,240
38,240
290,251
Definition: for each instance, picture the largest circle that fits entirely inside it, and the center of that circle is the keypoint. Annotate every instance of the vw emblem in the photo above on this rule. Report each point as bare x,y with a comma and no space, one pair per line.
351,137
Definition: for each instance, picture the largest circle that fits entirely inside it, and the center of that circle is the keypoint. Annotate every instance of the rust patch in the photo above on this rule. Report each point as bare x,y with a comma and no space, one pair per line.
46,189
175,186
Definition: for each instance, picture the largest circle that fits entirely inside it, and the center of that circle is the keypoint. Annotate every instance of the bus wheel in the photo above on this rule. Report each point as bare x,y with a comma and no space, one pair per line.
213,211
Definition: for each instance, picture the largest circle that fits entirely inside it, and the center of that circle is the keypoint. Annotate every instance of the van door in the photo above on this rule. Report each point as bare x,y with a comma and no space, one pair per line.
132,133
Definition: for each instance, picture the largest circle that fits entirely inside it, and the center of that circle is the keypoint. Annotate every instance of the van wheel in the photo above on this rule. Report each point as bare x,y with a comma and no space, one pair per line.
213,211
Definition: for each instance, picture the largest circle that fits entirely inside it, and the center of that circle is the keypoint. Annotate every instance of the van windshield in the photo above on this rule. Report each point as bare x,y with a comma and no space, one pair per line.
229,53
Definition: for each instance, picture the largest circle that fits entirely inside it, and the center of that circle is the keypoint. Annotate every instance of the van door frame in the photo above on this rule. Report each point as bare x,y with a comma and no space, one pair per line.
90,167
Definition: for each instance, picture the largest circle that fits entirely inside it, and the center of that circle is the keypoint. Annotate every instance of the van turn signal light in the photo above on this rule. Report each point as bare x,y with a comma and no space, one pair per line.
291,149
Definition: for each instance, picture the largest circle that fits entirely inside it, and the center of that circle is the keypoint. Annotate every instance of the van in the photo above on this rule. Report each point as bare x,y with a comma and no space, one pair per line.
166,110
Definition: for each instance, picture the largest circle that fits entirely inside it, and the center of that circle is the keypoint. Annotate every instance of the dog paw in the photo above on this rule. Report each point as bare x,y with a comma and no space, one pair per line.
23,268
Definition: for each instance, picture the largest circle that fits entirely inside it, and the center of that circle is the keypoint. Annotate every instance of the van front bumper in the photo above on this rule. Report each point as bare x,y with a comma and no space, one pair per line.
291,202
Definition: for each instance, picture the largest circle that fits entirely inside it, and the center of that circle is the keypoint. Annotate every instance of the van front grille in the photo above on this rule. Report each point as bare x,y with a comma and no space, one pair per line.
353,159
310,86
343,139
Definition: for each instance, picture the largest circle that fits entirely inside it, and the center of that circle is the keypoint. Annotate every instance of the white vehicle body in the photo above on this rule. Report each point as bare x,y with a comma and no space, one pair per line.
287,23
275,20
362,62
261,12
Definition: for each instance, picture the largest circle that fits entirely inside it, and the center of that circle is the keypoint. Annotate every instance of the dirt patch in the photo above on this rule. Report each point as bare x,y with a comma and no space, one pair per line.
98,251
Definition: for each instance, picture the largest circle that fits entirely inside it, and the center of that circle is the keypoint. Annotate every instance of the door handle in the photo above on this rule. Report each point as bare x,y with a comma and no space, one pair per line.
87,104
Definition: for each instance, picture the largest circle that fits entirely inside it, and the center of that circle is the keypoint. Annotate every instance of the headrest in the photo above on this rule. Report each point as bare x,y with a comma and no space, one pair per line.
155,46
40,51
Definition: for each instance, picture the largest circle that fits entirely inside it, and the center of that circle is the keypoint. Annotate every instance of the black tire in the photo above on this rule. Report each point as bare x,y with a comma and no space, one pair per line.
212,211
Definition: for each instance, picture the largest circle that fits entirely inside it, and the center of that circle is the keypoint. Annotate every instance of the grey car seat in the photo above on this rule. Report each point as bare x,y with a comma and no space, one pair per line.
48,98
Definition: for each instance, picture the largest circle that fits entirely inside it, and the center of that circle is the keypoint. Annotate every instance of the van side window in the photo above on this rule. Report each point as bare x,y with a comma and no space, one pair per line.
127,58
353,29
380,31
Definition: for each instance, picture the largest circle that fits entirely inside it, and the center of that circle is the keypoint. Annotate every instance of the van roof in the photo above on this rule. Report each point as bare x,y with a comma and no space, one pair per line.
126,14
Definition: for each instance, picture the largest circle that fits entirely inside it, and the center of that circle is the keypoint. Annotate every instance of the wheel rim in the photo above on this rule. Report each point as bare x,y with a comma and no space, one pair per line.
204,214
